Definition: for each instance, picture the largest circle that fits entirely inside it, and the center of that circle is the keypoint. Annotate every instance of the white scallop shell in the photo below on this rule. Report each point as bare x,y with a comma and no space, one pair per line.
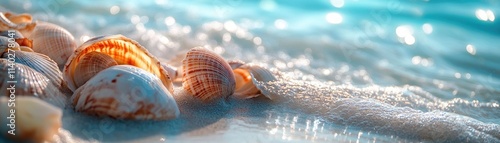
53,41
35,120
125,92
27,81
91,64
206,75
124,51
248,78
40,63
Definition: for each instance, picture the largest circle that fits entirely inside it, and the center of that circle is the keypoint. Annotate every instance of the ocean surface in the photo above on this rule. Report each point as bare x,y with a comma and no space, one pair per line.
349,70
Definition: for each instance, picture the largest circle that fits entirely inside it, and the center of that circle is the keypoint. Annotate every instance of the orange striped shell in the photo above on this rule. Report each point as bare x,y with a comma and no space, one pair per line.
124,51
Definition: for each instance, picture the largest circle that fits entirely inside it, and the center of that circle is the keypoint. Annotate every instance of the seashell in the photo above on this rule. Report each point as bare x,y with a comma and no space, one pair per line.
91,64
6,43
173,73
12,34
25,42
124,51
53,41
125,92
20,48
40,63
23,80
21,22
35,120
235,64
24,48
206,75
247,77
19,38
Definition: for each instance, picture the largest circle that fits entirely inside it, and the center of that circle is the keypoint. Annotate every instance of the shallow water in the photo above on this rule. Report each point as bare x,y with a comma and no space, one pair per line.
353,70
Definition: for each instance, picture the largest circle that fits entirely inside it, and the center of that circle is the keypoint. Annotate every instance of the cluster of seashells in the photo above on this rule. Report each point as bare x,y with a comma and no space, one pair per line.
111,76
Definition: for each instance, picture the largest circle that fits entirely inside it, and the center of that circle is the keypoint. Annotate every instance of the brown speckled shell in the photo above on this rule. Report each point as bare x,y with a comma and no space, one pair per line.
206,75
125,92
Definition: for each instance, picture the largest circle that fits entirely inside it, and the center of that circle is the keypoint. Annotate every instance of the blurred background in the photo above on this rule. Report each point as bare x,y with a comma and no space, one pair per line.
447,48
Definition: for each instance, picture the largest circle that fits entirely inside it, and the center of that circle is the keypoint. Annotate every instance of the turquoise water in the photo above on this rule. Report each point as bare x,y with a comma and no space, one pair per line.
353,70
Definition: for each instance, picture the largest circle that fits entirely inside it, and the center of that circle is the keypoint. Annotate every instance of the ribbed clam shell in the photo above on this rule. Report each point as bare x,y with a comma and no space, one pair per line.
21,22
125,92
124,51
247,77
206,75
35,120
40,63
53,41
91,64
27,81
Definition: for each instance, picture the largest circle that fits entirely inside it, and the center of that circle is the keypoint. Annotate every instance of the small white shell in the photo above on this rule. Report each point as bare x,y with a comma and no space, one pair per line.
125,92
35,120
206,75
247,77
21,22
174,73
124,51
91,64
53,41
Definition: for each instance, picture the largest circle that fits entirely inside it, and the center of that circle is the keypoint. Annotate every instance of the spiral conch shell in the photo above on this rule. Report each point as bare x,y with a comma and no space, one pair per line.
21,22
206,75
248,77
35,120
125,92
53,41
123,50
